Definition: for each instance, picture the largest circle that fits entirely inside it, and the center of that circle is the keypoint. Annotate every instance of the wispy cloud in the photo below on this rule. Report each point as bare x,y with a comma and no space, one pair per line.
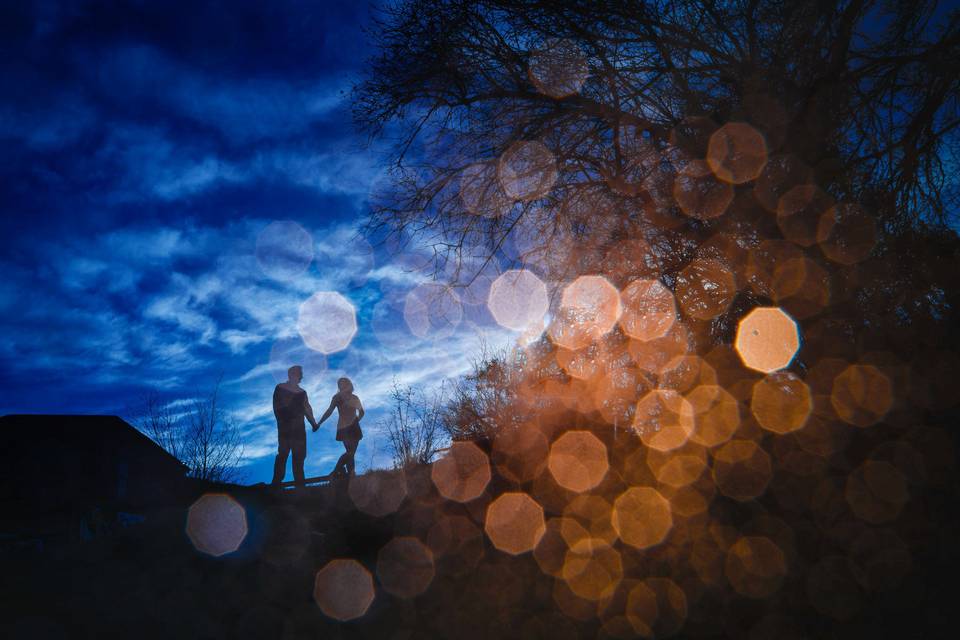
142,158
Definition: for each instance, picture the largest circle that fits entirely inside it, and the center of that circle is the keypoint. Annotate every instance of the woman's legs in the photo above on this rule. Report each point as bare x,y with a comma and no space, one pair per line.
345,465
339,468
351,446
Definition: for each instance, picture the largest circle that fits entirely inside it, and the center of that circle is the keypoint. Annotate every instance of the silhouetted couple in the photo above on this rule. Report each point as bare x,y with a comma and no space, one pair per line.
291,406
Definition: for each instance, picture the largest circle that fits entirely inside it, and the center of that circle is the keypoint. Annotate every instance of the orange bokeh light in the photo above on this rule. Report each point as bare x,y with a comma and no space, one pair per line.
661,354
552,547
343,589
592,569
801,287
861,395
846,233
767,339
763,261
582,364
656,608
687,372
741,470
705,288
799,211
699,193
615,394
717,414
642,517
688,501
514,523
379,492
664,419
781,402
677,468
520,453
755,566
463,473
649,310
405,567
589,309
457,542
593,513
779,176
578,461
737,153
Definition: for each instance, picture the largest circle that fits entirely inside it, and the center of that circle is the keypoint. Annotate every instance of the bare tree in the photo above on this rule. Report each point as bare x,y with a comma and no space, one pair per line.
197,431
491,397
414,425
556,136
858,98
599,138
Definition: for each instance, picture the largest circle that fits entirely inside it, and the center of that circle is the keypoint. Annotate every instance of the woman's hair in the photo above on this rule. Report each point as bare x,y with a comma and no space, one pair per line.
344,385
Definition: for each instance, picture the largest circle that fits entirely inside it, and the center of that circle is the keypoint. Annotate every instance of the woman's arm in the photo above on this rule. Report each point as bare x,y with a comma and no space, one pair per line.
359,409
326,414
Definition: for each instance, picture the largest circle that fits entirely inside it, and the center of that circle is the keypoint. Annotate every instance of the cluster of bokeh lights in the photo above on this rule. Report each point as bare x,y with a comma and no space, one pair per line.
633,433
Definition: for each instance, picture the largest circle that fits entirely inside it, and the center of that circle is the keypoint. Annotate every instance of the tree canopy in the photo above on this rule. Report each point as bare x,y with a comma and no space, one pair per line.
722,233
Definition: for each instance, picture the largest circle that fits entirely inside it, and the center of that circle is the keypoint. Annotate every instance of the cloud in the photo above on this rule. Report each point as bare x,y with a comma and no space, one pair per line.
243,110
145,148
171,307
238,341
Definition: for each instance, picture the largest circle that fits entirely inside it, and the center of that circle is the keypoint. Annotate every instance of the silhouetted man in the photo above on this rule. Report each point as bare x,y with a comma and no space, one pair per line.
290,406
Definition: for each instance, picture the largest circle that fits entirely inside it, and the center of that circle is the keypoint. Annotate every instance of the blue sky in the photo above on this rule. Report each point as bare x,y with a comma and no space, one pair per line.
145,148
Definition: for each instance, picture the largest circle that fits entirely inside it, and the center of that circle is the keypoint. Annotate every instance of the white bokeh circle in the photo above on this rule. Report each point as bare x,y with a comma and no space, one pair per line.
327,322
284,249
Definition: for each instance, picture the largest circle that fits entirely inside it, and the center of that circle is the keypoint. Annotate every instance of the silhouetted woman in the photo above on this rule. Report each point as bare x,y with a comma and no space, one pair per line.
290,406
349,412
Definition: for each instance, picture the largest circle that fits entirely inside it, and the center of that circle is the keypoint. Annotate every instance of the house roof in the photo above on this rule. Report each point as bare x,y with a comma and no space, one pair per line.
30,434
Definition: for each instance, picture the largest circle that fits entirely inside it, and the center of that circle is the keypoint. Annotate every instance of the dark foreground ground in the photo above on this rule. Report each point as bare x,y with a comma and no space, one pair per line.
148,580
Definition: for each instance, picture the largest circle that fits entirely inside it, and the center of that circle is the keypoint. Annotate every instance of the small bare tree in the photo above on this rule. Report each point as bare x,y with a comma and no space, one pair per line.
414,426
196,431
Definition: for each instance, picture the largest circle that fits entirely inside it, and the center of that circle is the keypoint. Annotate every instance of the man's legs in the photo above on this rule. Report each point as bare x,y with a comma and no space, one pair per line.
299,446
280,462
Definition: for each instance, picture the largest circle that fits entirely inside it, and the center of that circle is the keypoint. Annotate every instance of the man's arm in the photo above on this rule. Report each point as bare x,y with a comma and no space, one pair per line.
276,403
359,409
308,411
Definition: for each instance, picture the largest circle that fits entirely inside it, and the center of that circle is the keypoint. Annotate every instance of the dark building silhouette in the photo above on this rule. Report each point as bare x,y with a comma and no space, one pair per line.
67,477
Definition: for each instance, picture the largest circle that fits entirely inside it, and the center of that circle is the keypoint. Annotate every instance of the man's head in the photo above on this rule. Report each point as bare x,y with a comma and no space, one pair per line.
345,385
295,374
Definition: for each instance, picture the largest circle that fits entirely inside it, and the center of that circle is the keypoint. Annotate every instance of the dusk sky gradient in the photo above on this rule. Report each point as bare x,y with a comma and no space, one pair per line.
144,149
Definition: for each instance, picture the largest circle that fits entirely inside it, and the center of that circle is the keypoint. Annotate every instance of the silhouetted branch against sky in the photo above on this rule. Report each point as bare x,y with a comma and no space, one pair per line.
865,93
196,430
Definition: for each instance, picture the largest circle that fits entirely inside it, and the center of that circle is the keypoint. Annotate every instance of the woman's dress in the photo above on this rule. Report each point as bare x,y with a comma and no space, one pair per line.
348,421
